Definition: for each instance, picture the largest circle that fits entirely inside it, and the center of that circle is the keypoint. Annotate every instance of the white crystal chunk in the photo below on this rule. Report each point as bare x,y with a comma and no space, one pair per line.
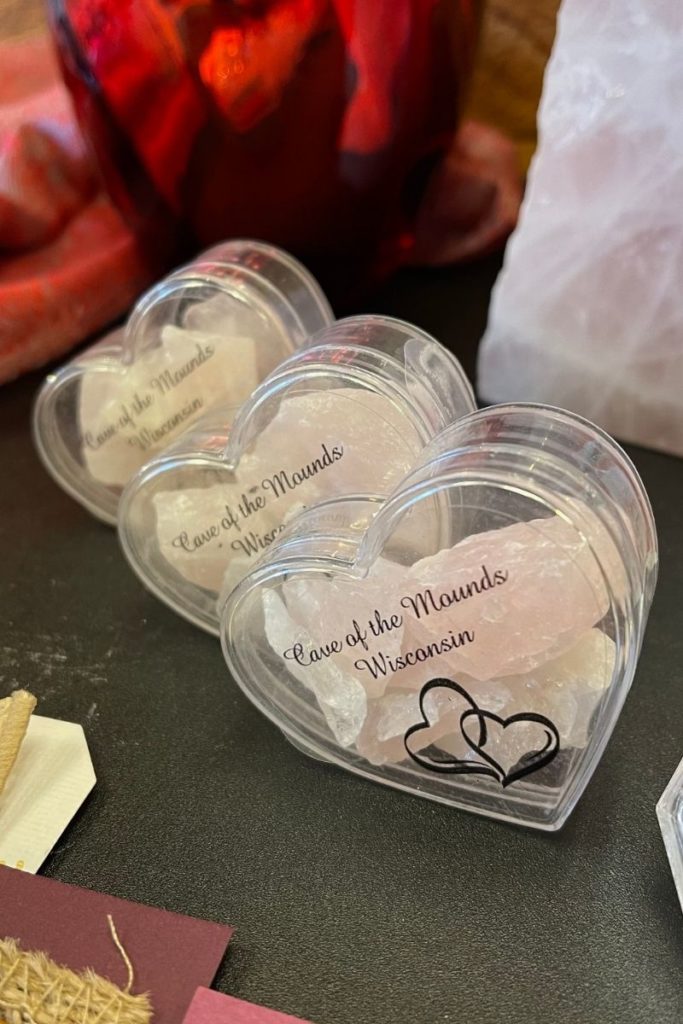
341,697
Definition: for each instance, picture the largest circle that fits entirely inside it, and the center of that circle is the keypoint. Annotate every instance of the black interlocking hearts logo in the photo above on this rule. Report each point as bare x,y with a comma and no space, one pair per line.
483,732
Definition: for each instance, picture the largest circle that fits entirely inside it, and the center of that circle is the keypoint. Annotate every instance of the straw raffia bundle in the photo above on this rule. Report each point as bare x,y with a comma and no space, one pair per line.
15,712
34,990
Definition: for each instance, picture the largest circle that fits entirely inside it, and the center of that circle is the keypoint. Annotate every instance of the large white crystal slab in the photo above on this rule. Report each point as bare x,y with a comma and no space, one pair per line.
588,310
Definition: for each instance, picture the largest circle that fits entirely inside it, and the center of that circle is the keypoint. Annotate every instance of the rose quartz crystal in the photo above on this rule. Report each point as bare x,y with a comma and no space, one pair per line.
128,413
566,690
524,594
184,517
510,614
379,440
225,315
496,603
588,311
318,445
381,740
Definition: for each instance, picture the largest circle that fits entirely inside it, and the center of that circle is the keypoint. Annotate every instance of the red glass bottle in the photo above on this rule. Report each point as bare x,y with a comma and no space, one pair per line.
314,124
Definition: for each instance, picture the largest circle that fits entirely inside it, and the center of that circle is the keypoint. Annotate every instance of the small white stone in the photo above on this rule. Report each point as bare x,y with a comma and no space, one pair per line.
340,696
347,611
224,315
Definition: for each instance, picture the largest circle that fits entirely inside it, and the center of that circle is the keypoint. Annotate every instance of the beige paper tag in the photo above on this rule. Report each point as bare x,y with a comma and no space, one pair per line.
51,778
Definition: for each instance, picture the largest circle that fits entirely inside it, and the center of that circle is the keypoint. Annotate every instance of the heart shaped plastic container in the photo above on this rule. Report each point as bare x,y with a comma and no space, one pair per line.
472,638
348,414
207,334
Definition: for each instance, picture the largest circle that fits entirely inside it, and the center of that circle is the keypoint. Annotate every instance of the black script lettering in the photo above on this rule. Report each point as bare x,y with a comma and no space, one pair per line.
426,601
380,625
381,665
197,541
283,481
251,543
99,439
169,379
140,404
359,636
148,437
230,519
248,506
314,656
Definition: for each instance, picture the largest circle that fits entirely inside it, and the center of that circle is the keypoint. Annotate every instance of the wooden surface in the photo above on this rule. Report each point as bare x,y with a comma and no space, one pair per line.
517,37
20,18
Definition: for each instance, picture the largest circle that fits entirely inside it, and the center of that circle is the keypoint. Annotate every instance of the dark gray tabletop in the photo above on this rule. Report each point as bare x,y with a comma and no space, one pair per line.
354,904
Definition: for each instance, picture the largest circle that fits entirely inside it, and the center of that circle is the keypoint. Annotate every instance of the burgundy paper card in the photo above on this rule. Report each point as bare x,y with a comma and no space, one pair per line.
171,954
210,1007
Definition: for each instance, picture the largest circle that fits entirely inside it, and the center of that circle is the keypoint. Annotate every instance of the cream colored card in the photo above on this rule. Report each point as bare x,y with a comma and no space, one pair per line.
52,777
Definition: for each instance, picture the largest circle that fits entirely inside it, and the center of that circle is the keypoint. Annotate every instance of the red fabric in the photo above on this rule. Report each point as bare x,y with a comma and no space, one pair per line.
472,201
68,264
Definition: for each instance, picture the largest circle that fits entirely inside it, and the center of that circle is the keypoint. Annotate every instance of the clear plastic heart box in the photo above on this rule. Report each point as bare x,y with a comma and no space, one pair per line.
349,413
472,638
207,334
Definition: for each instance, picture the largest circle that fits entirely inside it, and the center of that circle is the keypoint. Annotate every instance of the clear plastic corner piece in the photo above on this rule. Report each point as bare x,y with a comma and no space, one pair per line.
670,815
